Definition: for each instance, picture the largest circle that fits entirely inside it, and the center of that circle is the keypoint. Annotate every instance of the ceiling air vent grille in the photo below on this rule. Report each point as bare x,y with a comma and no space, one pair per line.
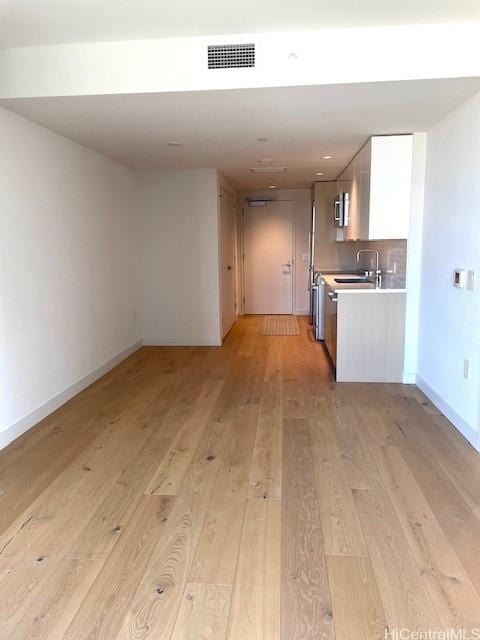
231,56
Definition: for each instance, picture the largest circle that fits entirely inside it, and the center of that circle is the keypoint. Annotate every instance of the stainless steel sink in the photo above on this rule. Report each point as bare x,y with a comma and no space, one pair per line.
354,280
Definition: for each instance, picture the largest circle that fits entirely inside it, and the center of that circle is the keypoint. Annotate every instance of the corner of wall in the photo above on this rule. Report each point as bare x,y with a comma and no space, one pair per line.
469,433
16,430
414,257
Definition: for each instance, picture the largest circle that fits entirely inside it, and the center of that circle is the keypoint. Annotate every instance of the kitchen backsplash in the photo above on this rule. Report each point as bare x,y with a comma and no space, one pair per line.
393,257
342,256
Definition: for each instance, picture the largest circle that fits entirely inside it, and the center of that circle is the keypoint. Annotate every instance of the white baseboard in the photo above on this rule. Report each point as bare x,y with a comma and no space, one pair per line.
26,423
182,342
471,434
301,312
409,378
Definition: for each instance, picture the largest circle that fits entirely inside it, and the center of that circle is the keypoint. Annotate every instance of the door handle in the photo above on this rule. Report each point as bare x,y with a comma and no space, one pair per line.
287,264
229,268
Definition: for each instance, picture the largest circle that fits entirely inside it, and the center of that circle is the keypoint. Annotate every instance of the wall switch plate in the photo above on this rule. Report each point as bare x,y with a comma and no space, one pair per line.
471,280
466,369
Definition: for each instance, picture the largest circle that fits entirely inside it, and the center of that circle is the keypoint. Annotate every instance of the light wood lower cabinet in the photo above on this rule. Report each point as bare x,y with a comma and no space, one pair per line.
365,335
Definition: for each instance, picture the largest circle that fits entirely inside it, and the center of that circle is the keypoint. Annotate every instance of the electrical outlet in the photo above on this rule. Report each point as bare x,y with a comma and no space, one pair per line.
471,280
466,369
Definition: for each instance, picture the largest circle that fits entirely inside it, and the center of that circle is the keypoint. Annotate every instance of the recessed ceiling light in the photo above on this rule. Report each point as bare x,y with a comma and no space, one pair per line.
319,173
174,143
262,139
272,186
327,157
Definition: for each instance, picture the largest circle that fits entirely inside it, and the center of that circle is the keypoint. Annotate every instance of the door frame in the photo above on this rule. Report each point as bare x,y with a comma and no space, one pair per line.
232,194
294,245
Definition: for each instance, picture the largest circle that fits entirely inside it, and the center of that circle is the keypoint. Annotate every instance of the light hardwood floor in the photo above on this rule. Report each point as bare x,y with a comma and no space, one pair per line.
238,493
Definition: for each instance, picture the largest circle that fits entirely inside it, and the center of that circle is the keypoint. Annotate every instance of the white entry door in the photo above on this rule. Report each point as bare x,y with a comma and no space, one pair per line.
268,259
227,260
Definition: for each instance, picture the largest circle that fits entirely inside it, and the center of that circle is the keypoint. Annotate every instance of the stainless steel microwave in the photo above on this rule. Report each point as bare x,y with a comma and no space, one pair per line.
341,209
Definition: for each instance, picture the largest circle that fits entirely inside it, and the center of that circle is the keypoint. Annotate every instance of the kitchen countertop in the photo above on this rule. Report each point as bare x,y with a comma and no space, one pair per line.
388,285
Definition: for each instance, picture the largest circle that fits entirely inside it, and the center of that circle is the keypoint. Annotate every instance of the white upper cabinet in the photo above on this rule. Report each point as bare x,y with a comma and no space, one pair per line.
379,182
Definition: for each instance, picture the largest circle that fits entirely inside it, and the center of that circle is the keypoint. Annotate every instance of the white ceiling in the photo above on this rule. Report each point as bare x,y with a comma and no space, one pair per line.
38,22
220,129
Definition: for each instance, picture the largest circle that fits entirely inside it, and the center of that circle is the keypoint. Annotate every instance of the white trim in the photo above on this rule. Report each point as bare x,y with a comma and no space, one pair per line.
301,312
471,434
221,188
182,342
409,378
29,421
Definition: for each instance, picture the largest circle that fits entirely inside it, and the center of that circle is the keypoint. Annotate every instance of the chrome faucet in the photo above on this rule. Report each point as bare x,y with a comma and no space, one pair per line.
377,273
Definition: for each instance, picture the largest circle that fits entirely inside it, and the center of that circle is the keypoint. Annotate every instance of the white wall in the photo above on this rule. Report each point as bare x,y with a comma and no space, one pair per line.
449,330
179,278
367,54
302,201
67,269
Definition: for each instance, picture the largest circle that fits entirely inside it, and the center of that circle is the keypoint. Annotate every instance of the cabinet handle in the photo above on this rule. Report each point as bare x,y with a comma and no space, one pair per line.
336,211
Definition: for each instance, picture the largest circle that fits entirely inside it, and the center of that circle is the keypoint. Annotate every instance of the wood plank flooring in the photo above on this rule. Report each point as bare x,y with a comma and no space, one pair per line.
238,493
